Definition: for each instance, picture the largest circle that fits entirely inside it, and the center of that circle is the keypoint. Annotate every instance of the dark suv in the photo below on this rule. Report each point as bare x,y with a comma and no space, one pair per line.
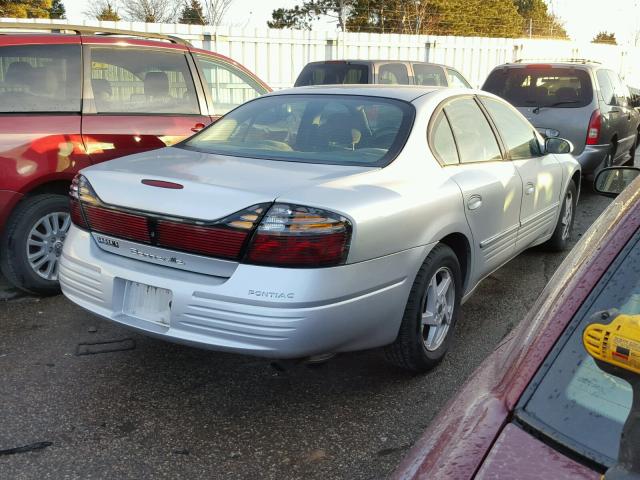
71,100
579,100
390,72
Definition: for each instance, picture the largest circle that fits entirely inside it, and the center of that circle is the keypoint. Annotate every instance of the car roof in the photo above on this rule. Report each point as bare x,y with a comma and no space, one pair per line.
585,65
407,93
370,61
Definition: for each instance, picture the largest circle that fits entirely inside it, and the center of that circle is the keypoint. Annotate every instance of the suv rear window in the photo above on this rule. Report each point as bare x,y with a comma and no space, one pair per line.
333,73
541,86
40,78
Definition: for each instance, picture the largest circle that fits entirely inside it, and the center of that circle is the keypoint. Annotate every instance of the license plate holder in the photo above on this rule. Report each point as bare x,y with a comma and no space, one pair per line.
147,302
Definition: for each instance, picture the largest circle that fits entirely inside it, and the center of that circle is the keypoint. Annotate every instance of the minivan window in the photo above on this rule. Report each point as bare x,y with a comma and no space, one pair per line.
620,91
540,86
40,78
474,137
606,87
229,86
129,81
576,402
333,73
457,80
430,75
517,134
330,129
393,74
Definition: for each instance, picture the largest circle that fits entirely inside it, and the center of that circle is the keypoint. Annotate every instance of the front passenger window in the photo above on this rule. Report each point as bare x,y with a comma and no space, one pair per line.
474,137
518,135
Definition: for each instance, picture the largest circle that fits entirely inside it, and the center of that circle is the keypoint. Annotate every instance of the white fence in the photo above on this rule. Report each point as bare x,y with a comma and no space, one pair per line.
277,56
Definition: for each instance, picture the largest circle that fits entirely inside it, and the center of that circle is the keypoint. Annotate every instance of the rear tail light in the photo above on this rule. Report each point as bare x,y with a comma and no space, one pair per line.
297,236
595,124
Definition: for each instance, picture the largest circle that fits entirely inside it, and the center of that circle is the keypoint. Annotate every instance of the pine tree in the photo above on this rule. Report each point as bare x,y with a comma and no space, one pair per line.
57,10
605,37
192,13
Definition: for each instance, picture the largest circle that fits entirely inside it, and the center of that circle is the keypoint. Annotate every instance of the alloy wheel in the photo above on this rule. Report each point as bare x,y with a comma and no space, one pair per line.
567,217
437,311
44,244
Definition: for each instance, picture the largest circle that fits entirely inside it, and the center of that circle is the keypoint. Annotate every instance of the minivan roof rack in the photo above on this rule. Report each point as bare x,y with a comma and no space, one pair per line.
91,30
557,60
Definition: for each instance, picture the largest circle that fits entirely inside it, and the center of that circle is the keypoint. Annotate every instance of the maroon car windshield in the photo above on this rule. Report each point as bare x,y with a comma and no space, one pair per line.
572,401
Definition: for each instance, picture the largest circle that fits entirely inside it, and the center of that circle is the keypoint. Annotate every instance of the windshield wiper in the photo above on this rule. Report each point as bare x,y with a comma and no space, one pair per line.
555,104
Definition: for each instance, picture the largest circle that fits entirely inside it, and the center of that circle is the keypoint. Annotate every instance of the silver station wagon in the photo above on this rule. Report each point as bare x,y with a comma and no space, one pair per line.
319,220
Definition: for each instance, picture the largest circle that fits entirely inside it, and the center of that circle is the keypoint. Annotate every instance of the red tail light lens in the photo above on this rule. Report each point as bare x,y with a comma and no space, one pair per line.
297,236
595,124
117,223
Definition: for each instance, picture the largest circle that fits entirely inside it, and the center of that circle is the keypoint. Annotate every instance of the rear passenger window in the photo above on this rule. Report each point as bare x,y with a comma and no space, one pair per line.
442,142
229,86
518,134
606,88
474,137
142,81
40,78
393,73
430,75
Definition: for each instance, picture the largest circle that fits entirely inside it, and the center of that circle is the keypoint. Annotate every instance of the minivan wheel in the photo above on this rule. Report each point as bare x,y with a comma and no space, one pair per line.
430,314
562,234
632,152
32,243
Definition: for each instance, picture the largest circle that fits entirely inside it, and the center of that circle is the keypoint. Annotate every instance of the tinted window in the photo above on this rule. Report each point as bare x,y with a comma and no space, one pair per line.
606,88
332,129
142,81
393,73
333,73
442,141
457,80
431,75
541,86
620,91
517,134
576,401
40,78
228,85
474,137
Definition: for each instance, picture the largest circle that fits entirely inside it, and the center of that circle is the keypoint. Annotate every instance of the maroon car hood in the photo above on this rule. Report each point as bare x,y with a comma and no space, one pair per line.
516,454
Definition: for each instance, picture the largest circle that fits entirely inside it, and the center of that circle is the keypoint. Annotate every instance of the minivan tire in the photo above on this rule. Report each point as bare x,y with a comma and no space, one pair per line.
410,351
14,261
561,237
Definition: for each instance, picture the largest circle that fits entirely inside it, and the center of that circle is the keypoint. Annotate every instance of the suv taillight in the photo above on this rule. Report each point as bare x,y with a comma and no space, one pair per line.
298,236
595,124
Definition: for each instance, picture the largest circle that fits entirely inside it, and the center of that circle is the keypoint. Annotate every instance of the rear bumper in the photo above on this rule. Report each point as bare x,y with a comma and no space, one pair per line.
591,157
263,311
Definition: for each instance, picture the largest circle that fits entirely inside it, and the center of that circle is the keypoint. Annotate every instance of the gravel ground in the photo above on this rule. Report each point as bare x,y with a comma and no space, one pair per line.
157,410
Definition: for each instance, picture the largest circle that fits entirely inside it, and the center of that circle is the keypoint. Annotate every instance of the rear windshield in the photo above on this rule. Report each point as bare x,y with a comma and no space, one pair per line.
330,129
333,73
541,87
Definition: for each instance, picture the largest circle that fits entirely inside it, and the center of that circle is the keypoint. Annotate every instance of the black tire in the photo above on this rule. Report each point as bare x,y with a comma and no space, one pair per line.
14,261
409,351
561,236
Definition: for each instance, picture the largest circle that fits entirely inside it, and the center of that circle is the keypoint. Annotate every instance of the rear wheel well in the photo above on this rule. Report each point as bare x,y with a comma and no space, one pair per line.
459,243
59,187
576,181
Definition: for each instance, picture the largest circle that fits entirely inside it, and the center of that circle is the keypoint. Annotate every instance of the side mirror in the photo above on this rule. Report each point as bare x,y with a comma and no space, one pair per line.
557,145
611,181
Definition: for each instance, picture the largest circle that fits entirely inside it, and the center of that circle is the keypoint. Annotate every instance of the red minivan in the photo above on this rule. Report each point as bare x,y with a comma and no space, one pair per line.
71,100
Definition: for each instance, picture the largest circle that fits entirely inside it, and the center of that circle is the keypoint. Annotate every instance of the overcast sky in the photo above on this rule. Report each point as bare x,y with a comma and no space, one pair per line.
582,18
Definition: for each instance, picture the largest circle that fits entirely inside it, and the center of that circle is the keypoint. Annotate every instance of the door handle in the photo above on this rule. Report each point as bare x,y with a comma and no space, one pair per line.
474,202
197,127
529,189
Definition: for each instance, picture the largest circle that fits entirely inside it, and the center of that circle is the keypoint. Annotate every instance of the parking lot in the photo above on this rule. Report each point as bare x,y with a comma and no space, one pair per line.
159,410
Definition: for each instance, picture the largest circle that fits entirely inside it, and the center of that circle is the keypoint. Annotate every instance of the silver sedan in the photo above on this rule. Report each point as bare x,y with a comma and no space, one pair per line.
319,220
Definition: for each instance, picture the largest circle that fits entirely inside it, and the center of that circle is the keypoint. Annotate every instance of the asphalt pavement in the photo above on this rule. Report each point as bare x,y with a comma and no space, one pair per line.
134,407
